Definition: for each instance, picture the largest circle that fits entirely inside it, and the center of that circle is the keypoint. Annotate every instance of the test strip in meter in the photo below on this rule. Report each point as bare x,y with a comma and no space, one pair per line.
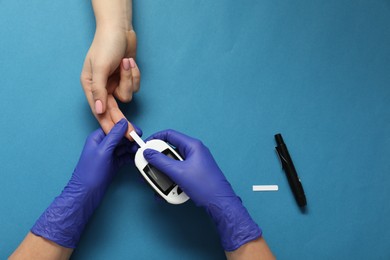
137,139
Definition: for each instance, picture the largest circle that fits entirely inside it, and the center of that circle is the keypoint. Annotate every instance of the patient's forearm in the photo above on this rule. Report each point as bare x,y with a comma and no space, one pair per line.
35,247
117,13
256,249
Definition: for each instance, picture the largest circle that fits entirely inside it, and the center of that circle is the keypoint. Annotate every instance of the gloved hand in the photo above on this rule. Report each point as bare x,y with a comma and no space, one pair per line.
102,156
202,180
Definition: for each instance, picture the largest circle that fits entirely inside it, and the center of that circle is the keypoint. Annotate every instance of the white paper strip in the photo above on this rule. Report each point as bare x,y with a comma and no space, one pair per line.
265,187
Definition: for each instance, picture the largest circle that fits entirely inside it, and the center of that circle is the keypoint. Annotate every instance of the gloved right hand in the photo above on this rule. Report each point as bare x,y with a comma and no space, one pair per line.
203,181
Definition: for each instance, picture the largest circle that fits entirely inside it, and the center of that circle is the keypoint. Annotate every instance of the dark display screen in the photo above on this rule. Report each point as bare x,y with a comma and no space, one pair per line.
163,182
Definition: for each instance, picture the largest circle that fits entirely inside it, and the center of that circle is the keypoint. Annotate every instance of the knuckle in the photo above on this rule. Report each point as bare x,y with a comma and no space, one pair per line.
136,77
180,171
125,99
198,144
95,91
136,83
85,80
124,96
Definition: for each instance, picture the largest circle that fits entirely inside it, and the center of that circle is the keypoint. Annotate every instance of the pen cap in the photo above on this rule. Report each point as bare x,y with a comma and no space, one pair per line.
279,139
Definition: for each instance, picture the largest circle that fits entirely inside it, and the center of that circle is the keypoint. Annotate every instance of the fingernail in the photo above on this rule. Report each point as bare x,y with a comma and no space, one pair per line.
132,62
126,64
98,107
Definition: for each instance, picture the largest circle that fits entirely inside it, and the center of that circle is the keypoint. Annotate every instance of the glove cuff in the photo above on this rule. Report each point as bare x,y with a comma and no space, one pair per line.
234,224
64,220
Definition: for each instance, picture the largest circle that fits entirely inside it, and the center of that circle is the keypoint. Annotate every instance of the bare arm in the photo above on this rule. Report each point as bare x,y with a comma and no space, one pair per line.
35,247
256,249
109,67
116,13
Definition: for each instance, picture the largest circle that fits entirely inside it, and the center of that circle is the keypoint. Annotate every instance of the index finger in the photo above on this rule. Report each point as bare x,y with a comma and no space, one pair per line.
94,82
115,115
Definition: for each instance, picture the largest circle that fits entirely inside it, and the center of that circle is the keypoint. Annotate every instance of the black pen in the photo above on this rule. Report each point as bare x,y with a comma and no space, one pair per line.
289,169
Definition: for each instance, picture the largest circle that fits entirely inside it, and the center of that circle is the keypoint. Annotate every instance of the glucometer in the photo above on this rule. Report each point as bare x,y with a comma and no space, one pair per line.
161,183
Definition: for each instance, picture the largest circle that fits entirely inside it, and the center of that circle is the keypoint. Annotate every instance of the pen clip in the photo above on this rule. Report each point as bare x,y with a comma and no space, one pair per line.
282,160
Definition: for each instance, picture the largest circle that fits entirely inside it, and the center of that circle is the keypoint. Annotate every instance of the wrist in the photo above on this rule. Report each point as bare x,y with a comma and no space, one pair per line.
113,14
64,220
234,224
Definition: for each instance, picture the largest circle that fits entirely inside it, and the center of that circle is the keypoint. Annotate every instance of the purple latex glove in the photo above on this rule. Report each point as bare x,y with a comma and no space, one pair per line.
202,180
64,220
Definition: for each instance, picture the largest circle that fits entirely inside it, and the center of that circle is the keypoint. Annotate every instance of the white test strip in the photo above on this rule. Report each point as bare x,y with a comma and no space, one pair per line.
137,139
265,187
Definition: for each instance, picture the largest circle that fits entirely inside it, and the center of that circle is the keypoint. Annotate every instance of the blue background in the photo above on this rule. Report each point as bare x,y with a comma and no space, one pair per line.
233,74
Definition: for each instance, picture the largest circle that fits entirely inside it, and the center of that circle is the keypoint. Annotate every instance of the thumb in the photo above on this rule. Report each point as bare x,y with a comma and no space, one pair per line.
165,164
111,141
99,92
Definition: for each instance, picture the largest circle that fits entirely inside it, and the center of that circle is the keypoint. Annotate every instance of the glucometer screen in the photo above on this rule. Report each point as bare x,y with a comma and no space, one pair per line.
163,182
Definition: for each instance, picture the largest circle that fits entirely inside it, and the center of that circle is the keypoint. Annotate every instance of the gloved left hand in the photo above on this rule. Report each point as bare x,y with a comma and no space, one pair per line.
102,156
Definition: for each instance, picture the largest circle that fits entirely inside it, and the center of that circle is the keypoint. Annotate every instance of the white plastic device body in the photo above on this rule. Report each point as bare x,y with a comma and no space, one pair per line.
161,183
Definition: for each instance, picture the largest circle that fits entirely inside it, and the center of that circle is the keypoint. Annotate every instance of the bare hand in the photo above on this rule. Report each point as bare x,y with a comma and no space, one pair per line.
110,71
